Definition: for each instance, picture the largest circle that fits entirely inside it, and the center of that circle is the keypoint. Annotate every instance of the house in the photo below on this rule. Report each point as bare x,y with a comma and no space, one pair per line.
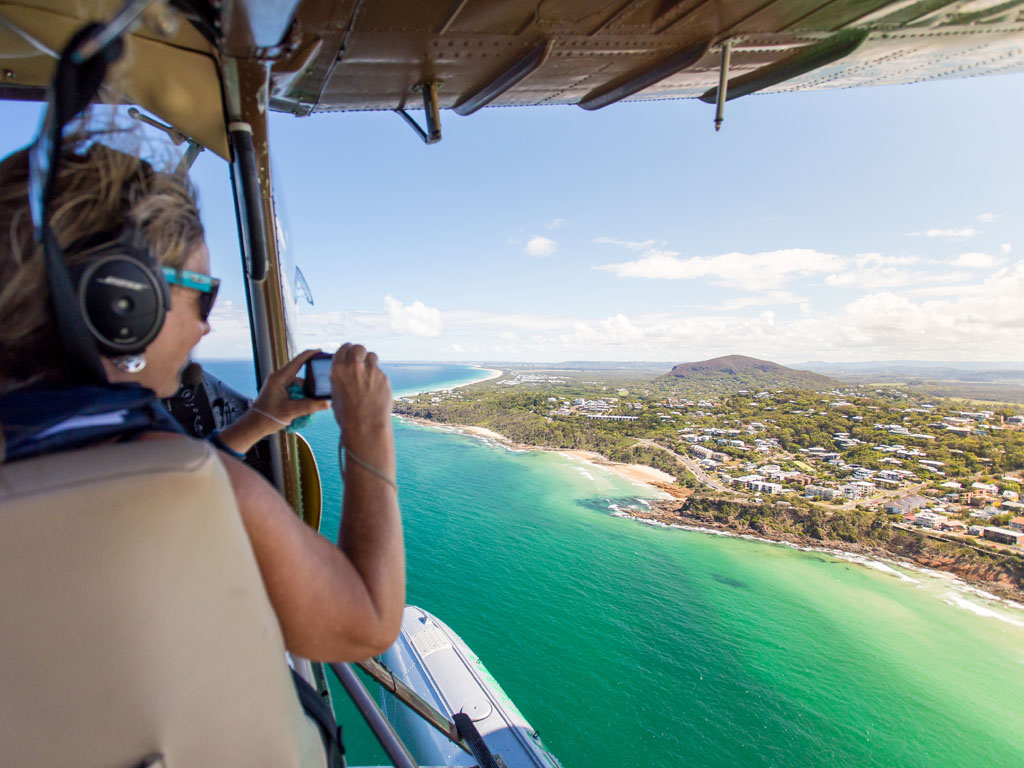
858,489
1004,536
930,520
701,451
821,492
1017,524
904,504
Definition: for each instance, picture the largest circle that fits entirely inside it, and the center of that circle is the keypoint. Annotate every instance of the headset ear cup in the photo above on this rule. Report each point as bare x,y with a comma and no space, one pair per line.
123,302
122,294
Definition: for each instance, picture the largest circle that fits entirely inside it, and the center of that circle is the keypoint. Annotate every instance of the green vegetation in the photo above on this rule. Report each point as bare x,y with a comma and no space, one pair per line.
812,465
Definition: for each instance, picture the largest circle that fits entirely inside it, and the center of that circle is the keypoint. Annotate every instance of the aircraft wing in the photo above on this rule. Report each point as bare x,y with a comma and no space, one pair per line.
374,54
338,55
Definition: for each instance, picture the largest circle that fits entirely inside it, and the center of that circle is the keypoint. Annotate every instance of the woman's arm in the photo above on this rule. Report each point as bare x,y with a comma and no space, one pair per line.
273,406
340,603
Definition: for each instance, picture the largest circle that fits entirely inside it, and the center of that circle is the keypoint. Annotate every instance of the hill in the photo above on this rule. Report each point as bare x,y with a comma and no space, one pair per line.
735,372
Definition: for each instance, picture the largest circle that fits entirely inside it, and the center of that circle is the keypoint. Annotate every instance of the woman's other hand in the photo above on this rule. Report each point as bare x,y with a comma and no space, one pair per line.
344,602
360,394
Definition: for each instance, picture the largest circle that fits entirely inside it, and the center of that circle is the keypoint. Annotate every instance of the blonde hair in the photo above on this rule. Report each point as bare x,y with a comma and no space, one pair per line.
99,190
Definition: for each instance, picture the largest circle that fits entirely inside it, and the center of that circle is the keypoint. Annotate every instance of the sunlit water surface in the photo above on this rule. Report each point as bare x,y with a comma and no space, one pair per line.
627,644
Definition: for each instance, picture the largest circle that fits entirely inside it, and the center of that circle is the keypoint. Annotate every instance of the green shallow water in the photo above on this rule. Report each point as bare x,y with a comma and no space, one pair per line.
627,644
632,645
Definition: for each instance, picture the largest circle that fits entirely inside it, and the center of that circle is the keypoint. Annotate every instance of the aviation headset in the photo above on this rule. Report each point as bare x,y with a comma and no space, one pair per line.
116,302
122,293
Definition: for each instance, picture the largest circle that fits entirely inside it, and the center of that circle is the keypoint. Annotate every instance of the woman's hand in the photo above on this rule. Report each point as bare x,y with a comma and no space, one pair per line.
360,395
274,400
273,406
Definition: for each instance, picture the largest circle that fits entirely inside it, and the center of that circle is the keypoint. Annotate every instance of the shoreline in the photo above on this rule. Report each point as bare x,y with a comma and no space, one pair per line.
862,554
493,373
659,513
637,473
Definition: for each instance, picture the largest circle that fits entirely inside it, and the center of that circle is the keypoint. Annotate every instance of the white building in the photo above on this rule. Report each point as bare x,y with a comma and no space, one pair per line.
930,519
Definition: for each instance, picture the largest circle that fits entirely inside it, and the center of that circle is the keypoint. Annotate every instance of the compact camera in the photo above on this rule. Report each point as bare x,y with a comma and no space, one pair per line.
317,383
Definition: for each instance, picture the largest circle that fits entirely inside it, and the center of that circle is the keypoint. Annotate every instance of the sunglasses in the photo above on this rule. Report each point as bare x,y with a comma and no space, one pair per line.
206,286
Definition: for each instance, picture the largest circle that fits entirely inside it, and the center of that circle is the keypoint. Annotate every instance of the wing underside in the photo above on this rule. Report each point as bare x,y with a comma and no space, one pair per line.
374,54
342,55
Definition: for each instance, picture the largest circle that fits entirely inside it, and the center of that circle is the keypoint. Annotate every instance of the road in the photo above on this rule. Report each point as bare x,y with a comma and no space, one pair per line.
690,465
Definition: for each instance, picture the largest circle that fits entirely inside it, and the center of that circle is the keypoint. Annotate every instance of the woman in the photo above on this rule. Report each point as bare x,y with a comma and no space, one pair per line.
334,603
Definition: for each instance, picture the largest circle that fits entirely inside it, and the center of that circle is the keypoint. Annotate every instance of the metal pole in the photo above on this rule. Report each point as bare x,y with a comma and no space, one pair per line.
381,728
723,84
414,701
245,82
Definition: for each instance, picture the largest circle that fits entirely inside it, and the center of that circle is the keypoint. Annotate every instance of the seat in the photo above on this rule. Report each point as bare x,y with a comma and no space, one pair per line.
135,621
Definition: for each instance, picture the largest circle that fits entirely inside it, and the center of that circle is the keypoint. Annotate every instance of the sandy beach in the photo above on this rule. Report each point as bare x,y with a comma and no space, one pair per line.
668,513
637,473
492,373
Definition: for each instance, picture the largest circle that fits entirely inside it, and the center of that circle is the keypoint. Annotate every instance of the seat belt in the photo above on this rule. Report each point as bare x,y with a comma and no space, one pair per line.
316,708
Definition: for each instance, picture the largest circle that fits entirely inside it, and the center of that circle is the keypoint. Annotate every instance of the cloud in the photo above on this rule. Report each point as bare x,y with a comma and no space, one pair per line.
948,290
540,247
633,245
950,322
986,217
394,320
956,315
961,233
771,298
1005,248
983,322
874,270
880,260
767,270
416,319
556,224
974,260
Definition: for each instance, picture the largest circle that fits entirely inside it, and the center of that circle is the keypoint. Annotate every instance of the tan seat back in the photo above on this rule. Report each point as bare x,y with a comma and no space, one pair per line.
134,619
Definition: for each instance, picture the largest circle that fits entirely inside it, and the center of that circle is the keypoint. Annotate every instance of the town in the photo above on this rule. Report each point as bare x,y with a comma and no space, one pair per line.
943,467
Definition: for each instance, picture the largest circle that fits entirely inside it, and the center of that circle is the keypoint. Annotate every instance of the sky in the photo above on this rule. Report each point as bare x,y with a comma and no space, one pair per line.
869,224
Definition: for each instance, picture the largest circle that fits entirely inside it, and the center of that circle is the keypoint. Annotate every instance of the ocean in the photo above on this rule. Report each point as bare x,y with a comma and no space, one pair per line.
627,644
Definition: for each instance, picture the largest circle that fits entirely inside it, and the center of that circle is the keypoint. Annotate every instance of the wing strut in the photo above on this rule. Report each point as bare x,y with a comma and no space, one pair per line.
723,84
433,114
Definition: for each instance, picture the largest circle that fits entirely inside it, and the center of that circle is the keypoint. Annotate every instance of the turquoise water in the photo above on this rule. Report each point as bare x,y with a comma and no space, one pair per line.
626,644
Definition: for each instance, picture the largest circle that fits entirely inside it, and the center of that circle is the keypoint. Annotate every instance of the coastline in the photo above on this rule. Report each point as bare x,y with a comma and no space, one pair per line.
661,514
493,373
637,473
667,512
